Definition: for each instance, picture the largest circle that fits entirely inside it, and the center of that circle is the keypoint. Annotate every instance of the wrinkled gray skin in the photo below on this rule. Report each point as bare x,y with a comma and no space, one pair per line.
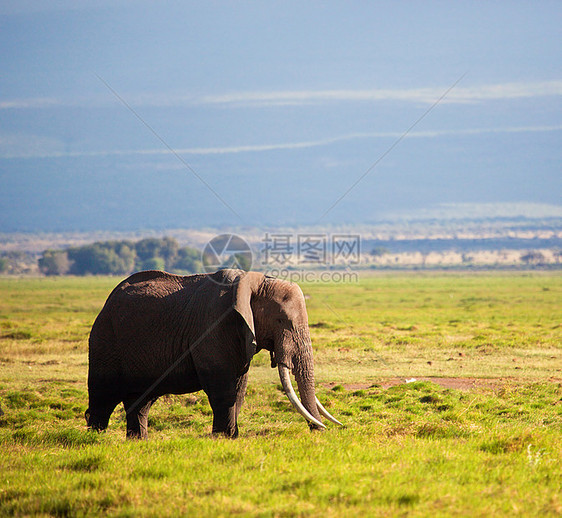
160,333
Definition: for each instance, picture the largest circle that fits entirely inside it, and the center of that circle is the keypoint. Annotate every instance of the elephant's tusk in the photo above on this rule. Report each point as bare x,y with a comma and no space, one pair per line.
326,414
290,391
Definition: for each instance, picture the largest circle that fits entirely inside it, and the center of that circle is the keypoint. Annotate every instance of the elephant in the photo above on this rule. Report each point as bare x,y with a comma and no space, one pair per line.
160,333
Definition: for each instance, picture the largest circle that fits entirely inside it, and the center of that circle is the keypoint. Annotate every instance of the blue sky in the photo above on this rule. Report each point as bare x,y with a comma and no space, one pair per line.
126,115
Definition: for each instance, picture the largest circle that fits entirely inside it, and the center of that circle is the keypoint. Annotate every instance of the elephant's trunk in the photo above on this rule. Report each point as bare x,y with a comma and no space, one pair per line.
304,375
303,369
288,388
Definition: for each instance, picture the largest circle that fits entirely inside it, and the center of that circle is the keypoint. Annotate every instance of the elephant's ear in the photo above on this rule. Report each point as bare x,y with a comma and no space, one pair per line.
244,287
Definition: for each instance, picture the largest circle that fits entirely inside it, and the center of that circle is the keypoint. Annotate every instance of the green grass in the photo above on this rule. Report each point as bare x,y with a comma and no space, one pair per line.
414,449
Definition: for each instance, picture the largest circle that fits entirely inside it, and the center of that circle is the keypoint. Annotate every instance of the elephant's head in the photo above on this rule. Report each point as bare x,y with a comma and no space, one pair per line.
275,314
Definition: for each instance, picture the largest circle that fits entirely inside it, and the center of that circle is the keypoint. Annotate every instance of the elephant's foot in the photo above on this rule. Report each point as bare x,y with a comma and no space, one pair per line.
141,435
224,420
230,434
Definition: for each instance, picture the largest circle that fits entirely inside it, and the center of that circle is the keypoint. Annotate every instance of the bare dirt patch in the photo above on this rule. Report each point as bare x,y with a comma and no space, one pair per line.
449,383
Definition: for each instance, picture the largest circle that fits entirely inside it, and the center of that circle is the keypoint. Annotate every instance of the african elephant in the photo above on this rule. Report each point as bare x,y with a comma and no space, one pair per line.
160,333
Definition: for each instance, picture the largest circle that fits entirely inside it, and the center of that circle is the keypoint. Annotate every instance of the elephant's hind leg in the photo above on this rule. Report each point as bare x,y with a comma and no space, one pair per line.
241,386
137,410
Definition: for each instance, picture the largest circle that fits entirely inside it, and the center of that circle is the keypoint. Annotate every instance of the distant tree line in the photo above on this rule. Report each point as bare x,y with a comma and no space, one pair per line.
122,257
17,263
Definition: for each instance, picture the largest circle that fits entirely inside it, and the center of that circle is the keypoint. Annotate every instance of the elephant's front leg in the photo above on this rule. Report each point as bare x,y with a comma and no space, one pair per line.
226,399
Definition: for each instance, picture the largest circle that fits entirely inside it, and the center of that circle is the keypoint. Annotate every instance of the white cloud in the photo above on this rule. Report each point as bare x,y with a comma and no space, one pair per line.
34,102
27,7
420,95
43,147
21,145
428,95
26,153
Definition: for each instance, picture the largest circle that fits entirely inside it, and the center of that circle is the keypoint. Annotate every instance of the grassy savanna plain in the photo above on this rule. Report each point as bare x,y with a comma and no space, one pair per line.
478,434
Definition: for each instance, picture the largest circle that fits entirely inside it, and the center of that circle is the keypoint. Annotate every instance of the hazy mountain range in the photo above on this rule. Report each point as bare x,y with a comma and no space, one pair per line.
146,115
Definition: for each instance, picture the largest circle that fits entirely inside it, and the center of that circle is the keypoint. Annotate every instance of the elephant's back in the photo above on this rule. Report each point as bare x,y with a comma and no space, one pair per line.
151,280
